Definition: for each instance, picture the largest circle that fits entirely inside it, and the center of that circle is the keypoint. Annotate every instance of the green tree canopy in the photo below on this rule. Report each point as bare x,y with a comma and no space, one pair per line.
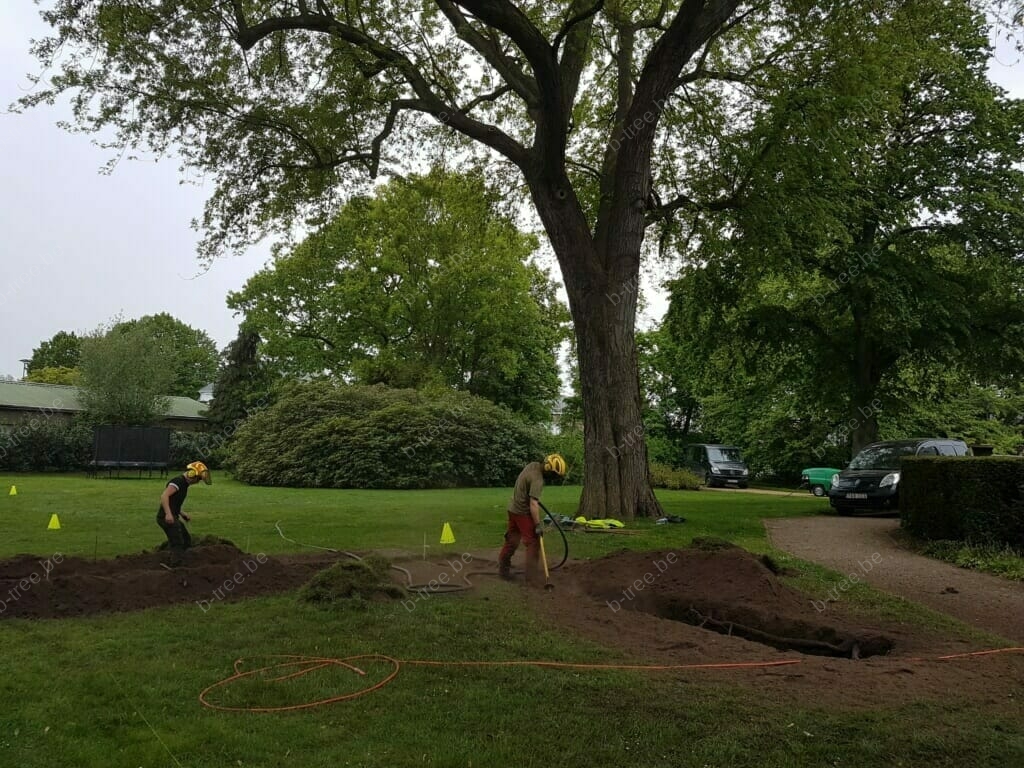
57,375
244,383
190,354
424,284
881,222
125,376
61,351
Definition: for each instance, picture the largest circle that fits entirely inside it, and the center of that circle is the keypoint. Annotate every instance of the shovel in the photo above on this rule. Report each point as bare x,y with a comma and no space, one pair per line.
544,558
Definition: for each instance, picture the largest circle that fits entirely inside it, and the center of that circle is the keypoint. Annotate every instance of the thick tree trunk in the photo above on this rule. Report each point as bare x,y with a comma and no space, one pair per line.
616,481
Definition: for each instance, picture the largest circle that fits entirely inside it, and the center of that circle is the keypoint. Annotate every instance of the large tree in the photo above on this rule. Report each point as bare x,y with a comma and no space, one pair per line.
883,216
61,351
425,283
282,101
189,353
125,376
245,384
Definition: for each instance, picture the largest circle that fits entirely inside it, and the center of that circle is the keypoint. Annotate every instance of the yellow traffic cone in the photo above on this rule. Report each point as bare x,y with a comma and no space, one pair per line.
54,523
14,491
447,537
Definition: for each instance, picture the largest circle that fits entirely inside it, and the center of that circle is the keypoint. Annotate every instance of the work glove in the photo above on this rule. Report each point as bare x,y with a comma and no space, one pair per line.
539,529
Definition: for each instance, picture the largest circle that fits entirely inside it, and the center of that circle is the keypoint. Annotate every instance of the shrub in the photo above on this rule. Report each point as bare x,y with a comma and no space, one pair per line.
44,444
664,476
187,447
570,445
328,435
975,499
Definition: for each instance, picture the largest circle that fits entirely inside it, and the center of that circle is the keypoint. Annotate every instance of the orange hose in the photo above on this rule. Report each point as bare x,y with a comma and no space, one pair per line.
309,664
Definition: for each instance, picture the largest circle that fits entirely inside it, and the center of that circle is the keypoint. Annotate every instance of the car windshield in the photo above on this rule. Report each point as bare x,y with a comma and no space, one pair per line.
881,457
724,454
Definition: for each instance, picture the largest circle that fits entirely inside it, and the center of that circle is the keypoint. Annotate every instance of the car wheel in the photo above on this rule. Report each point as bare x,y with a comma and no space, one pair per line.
818,490
707,480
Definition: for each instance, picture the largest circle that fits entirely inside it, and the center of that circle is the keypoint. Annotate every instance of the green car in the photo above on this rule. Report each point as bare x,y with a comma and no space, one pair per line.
818,479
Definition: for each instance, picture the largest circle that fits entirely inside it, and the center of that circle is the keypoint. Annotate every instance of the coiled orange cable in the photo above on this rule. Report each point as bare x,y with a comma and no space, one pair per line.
302,665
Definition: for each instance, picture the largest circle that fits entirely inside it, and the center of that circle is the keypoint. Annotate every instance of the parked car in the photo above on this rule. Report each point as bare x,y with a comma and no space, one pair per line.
720,465
818,479
872,480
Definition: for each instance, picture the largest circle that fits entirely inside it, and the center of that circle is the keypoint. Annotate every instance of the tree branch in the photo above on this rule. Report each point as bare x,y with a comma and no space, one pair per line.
428,100
505,66
576,32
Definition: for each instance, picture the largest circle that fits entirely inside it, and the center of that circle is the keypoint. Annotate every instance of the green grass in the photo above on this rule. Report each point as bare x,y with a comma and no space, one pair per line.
111,517
998,560
122,690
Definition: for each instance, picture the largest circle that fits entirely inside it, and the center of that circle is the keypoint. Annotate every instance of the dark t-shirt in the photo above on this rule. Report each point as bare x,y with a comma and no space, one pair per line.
529,483
177,498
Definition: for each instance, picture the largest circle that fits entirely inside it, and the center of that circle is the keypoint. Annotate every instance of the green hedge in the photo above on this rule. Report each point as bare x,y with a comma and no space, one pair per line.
45,444
53,445
976,499
664,476
328,435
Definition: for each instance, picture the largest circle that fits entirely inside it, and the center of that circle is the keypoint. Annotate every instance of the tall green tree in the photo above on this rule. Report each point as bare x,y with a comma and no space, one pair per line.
424,284
244,384
882,219
190,353
61,351
592,104
125,376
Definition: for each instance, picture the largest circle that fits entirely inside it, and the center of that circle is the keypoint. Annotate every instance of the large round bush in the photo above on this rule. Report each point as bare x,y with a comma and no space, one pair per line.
328,435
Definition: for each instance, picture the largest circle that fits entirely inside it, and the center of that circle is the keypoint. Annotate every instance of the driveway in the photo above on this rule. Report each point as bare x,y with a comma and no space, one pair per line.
800,492
864,546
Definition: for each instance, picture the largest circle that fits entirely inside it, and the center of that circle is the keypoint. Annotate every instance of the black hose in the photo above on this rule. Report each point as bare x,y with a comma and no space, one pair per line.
565,541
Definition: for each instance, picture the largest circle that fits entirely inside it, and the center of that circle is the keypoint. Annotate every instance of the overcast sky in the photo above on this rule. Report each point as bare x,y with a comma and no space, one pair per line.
79,247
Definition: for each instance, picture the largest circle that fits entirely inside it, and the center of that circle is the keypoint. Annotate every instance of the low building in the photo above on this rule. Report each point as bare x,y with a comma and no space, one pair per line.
22,401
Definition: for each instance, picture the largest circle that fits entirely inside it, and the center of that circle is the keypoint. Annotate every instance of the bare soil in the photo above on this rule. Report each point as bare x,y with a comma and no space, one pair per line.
692,606
75,586
652,627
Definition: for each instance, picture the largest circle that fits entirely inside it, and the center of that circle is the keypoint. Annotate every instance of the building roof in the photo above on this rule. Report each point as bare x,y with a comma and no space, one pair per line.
25,396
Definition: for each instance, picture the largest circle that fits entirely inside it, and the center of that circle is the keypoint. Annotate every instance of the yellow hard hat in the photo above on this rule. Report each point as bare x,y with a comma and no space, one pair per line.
200,470
555,463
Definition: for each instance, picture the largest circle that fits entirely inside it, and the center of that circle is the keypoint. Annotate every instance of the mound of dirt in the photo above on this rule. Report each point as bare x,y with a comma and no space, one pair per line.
723,588
32,587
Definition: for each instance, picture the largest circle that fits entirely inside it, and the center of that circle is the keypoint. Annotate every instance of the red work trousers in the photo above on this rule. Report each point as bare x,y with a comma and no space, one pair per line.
520,528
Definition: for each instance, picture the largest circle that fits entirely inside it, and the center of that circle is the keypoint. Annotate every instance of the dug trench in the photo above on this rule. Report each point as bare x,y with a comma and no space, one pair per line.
720,587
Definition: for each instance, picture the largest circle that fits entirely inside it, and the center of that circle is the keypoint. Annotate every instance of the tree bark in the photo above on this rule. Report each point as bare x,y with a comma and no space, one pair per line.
616,480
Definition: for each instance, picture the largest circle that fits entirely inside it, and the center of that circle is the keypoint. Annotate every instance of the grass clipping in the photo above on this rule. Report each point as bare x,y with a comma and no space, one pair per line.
352,584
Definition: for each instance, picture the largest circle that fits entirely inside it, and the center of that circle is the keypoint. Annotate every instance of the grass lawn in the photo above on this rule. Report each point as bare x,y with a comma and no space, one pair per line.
998,560
122,690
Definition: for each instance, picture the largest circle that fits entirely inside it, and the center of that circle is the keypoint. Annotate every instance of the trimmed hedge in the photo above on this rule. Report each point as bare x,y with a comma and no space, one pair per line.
975,499
45,444
328,435
51,445
664,476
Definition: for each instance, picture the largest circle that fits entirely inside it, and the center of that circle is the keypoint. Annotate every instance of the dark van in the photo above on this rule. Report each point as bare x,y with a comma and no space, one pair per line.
719,465
872,480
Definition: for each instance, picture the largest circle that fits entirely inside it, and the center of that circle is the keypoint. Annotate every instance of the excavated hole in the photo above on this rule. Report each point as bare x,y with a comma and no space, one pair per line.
779,632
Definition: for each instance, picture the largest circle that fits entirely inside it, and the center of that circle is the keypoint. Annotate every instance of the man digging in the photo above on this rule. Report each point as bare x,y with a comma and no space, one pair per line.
169,515
524,516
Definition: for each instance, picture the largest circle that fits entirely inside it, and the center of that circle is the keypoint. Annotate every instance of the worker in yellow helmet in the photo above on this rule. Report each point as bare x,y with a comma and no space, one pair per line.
170,515
524,523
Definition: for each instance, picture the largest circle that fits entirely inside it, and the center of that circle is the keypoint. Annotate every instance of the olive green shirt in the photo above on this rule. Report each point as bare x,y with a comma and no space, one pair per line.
530,483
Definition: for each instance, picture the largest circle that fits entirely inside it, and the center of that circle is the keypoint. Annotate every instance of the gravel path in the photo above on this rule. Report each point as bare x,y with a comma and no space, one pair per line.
864,546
